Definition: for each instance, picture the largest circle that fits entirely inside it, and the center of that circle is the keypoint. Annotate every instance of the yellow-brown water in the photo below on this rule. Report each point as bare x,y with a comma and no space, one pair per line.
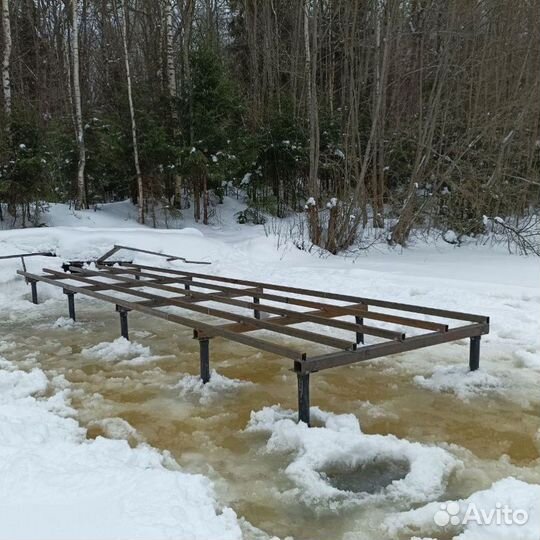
208,437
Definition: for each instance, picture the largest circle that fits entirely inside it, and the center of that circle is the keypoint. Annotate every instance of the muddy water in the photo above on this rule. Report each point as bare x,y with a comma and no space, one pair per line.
208,437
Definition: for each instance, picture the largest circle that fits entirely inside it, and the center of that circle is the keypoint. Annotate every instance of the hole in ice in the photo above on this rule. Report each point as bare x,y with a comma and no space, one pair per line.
371,477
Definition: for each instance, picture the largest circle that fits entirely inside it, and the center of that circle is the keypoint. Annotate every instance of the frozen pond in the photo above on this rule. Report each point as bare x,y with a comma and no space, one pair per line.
145,394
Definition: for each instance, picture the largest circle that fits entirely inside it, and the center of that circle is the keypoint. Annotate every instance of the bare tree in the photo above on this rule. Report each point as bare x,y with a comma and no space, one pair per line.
169,52
138,173
82,200
6,61
311,49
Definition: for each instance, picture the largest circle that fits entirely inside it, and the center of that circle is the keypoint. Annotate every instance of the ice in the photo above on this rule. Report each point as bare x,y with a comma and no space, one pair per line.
216,388
129,352
63,322
479,511
55,484
461,381
42,444
116,428
528,359
19,384
338,440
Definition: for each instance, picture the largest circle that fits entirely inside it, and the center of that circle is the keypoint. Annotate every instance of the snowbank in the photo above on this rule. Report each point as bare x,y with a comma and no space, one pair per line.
56,485
340,442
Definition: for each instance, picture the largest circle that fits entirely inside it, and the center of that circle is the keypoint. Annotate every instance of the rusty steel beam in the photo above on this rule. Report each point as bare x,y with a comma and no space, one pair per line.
378,350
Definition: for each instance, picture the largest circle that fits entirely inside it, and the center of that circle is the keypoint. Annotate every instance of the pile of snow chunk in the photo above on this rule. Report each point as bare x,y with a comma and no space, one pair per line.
340,441
20,384
128,352
529,359
461,381
54,483
219,385
479,517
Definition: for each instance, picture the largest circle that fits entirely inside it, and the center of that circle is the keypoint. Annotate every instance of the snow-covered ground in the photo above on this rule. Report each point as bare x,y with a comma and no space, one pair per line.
74,487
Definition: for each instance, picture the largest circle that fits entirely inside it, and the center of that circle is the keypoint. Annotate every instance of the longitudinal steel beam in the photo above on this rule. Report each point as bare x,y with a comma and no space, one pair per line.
209,329
378,350
457,315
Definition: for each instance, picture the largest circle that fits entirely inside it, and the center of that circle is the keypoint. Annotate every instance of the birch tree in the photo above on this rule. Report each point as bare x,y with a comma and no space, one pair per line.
171,70
311,44
6,61
82,201
138,173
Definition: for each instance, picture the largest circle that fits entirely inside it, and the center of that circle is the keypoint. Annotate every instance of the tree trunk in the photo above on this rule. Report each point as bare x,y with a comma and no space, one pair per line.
140,187
314,135
82,201
206,201
197,199
171,70
6,61
187,18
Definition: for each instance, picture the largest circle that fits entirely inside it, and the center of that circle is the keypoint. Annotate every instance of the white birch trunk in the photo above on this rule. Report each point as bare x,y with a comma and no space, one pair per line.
6,61
171,70
140,188
81,183
312,106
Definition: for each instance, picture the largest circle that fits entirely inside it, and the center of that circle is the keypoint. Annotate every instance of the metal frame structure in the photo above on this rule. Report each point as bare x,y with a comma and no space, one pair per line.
149,289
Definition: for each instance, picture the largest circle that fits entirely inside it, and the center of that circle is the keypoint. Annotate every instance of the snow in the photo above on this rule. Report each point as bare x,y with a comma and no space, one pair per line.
19,384
332,203
55,484
451,237
119,348
218,387
64,322
340,441
462,382
51,471
529,359
514,494
116,428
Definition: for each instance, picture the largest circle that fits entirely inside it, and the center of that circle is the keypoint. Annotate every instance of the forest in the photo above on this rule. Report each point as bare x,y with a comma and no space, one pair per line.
398,115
